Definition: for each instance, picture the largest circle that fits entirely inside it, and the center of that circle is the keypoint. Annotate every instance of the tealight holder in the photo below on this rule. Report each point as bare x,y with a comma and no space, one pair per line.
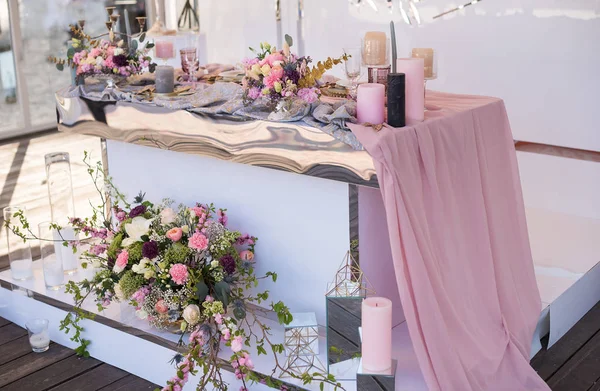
376,381
301,336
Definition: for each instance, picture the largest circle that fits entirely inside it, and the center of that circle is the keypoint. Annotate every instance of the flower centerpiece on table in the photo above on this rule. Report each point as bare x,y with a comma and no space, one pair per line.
95,56
182,269
275,75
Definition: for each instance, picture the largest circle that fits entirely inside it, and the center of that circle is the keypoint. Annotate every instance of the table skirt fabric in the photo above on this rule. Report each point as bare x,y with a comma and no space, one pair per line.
459,241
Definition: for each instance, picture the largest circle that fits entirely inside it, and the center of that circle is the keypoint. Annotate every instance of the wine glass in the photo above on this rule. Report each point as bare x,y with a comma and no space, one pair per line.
352,67
189,63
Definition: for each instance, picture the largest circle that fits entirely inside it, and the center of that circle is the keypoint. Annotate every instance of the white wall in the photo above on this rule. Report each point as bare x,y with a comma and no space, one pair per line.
541,56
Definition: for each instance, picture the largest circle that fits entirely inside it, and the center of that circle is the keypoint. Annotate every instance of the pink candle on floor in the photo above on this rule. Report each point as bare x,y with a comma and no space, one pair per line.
376,334
370,103
414,87
164,49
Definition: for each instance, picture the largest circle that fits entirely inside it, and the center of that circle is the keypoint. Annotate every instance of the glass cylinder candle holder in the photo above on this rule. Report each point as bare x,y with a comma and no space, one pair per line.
60,187
50,250
375,49
39,337
19,251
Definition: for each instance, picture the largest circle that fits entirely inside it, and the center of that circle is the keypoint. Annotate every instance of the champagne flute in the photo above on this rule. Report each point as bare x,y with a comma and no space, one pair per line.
352,67
189,63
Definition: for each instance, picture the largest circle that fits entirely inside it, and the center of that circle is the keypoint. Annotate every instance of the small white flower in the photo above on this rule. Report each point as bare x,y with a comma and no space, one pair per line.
214,264
185,229
191,314
118,51
167,216
141,314
119,292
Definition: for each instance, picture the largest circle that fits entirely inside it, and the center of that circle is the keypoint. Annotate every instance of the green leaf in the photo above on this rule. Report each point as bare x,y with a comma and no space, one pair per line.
289,40
142,37
322,386
60,67
134,45
150,45
70,52
222,290
201,291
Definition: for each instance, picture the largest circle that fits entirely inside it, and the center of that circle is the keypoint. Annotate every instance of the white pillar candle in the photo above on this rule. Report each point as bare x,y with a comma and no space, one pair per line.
370,103
376,334
53,272
21,269
375,48
414,87
70,260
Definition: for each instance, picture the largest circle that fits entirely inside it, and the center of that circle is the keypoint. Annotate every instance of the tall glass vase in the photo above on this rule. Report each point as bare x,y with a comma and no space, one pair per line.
19,251
62,205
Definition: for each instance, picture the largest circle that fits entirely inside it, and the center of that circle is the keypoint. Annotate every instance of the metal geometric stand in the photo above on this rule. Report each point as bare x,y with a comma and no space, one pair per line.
188,13
301,342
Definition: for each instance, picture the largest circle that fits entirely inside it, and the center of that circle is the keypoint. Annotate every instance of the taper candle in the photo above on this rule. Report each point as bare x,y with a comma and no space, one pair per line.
415,87
396,100
376,333
370,103
165,79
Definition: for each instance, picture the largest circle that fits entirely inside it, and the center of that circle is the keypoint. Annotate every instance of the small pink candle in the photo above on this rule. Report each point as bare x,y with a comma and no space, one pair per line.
164,49
415,87
370,103
376,334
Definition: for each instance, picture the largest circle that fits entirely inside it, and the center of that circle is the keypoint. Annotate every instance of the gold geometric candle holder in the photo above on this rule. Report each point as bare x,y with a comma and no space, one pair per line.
302,335
350,280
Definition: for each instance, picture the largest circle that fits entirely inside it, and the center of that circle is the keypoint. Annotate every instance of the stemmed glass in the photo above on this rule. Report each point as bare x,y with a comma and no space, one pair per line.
189,63
352,67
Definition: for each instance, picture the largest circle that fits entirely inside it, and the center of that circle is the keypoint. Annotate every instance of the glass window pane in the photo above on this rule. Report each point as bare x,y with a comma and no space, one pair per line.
11,117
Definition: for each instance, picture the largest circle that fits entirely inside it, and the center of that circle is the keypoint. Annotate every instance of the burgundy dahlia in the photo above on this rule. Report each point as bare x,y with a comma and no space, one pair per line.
228,264
150,250
137,211
120,60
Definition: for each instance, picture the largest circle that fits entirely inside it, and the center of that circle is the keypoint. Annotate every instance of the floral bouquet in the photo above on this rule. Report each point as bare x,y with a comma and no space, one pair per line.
279,74
93,56
184,270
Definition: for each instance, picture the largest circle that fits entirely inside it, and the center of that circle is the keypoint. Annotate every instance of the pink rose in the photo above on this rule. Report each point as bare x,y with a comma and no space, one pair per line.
198,241
179,273
237,344
161,307
226,334
272,58
274,76
121,262
247,255
174,234
198,211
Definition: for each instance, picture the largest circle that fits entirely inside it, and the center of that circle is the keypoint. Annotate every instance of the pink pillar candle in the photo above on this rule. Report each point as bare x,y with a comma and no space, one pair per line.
376,334
164,49
414,87
370,103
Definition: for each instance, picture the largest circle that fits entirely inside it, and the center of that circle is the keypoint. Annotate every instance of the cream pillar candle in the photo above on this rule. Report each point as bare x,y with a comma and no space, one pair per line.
376,334
370,103
427,55
375,48
414,87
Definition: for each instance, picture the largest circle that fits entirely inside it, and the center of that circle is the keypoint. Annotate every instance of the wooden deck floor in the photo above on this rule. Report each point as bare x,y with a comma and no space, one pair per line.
572,364
58,369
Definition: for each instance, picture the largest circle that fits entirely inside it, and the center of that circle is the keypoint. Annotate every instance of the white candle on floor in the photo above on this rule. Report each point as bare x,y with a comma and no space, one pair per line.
40,340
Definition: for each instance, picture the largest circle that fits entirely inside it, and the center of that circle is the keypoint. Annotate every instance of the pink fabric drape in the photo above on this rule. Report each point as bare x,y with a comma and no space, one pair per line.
460,246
